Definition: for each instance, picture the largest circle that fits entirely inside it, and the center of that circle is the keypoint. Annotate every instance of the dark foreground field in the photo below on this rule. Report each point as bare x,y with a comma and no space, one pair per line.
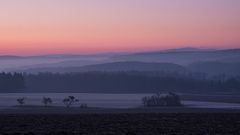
122,124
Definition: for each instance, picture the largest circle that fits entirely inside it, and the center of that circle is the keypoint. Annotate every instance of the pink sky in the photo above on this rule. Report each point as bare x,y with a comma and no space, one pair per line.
88,26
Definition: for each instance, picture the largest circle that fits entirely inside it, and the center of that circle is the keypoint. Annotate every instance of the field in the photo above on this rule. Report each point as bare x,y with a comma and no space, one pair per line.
213,97
121,123
33,118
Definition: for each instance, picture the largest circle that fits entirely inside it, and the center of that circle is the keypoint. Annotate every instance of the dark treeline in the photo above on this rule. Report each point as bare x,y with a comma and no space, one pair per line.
127,82
11,82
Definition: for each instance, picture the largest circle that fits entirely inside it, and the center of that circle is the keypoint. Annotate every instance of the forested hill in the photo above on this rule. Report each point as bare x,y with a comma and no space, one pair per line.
116,82
115,67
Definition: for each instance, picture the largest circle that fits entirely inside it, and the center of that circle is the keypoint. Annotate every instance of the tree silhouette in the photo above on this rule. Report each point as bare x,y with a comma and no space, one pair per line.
68,101
162,99
21,101
46,101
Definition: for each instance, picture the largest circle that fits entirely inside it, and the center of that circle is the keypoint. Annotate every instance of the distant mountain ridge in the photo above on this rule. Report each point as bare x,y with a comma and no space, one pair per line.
116,66
135,65
187,49
183,57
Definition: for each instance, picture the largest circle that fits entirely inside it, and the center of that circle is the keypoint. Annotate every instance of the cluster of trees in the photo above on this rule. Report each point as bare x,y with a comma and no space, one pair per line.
126,82
68,101
161,100
11,82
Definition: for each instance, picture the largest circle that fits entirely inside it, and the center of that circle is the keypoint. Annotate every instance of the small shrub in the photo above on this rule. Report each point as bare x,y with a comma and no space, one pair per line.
21,101
83,106
68,101
161,99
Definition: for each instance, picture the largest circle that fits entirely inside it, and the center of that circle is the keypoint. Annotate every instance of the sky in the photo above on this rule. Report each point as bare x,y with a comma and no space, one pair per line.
92,26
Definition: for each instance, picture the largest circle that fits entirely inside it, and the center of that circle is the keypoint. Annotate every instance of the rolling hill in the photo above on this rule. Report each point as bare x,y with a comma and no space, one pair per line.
115,66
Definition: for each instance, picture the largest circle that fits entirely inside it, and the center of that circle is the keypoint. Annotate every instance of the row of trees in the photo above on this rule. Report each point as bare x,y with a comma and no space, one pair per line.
125,82
68,101
157,100
115,82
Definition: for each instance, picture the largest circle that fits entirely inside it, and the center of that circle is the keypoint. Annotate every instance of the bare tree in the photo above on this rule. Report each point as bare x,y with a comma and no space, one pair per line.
46,101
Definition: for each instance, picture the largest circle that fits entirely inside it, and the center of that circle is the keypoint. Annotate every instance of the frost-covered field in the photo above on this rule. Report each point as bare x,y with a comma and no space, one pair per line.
100,100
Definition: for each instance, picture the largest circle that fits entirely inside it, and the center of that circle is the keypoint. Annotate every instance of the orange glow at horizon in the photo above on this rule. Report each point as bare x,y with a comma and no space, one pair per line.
63,26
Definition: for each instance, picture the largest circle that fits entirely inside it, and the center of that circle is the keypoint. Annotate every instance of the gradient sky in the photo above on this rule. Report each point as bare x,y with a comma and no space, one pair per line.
88,26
